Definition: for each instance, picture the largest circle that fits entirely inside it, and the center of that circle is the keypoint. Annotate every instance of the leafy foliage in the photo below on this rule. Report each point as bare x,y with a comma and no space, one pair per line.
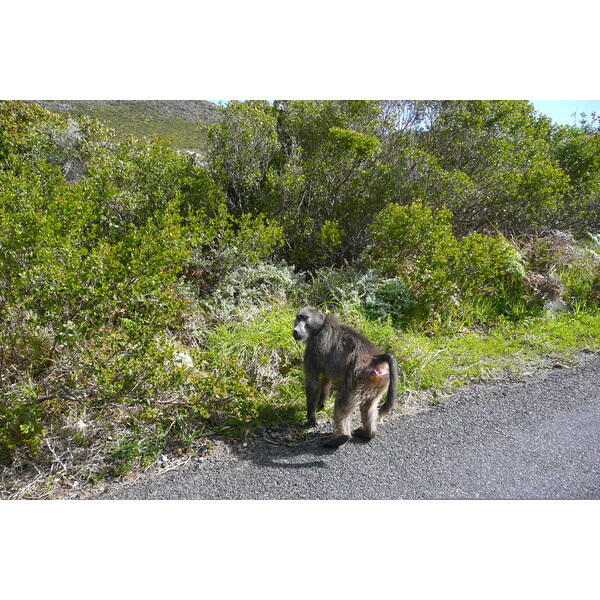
93,271
241,147
446,273
496,165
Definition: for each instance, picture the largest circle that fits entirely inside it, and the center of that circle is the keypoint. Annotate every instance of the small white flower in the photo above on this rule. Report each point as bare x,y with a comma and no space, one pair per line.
80,425
183,360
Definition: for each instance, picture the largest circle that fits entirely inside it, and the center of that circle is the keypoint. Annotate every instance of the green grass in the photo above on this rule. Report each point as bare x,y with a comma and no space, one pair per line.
439,363
445,362
267,352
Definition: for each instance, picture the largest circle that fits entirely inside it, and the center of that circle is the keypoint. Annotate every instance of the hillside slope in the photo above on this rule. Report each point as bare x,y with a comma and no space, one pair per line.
174,119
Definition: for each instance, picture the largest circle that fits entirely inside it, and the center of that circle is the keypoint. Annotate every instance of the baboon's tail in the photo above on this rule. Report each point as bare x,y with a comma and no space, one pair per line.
390,398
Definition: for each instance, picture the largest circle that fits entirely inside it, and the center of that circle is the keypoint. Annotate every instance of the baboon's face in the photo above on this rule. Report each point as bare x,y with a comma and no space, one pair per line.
308,322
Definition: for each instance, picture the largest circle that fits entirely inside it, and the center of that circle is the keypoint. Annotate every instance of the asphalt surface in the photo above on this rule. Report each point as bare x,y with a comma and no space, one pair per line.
538,438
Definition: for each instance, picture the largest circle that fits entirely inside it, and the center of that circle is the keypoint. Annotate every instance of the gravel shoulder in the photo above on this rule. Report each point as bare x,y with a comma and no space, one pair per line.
537,438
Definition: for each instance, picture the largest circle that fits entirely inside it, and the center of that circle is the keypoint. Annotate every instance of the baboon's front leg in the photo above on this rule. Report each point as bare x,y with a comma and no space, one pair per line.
323,392
312,385
312,394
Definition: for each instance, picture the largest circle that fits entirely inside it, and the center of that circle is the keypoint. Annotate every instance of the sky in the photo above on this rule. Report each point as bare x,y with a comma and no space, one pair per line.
561,111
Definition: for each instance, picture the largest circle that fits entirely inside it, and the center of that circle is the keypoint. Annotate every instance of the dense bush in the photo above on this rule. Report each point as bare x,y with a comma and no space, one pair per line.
386,299
323,168
93,269
565,268
380,298
447,275
490,274
416,243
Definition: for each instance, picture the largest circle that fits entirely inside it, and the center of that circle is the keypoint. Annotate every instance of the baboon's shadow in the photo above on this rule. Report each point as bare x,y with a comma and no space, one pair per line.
307,453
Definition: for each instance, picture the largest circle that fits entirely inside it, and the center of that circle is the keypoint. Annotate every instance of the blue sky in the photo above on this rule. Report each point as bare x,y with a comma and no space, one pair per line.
561,111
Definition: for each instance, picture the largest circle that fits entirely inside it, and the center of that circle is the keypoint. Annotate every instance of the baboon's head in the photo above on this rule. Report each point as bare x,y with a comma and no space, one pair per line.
307,324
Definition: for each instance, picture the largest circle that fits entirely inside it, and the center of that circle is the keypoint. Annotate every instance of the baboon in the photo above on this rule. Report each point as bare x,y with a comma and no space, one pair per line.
337,354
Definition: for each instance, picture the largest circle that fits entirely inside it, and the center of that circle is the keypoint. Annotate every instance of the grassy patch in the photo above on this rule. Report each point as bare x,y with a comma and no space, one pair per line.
448,361
266,351
260,372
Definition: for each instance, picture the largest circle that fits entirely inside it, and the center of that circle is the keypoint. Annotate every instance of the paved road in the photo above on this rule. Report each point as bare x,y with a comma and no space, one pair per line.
531,439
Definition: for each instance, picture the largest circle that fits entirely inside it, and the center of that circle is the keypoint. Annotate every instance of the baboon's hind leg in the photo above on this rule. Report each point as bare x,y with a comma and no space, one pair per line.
368,415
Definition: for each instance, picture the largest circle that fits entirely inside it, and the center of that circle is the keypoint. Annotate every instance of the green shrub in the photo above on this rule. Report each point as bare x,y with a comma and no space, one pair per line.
380,298
225,244
416,243
566,268
20,125
21,424
406,238
91,273
247,288
386,299
329,287
489,272
447,276
59,300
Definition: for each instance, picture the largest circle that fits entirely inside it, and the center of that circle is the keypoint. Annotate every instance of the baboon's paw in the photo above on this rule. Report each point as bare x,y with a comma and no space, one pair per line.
361,434
336,441
310,422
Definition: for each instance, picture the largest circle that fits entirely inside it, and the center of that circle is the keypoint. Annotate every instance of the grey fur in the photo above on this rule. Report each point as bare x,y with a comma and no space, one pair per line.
337,354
